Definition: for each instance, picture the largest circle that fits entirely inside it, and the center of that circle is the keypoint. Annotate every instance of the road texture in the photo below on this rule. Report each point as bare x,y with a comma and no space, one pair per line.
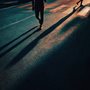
54,58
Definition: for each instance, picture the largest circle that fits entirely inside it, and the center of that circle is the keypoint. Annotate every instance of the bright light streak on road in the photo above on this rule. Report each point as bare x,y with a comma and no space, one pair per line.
85,12
16,22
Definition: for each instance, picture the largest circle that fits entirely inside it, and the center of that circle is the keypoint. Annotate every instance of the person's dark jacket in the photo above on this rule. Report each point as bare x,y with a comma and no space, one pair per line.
38,4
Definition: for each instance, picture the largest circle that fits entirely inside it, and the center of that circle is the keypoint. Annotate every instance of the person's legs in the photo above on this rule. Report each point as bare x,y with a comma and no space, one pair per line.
78,2
41,17
37,14
81,3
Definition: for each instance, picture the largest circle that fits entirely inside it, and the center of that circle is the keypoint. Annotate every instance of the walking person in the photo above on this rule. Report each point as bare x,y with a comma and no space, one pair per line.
80,1
38,6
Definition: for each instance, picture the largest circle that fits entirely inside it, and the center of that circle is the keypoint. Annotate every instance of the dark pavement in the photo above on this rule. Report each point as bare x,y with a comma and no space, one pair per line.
66,67
55,58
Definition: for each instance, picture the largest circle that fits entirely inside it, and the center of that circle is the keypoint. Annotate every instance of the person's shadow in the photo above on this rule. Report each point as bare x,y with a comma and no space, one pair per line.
31,45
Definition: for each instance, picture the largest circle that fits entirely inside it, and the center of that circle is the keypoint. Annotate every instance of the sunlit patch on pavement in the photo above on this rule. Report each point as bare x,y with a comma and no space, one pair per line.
50,5
59,8
84,13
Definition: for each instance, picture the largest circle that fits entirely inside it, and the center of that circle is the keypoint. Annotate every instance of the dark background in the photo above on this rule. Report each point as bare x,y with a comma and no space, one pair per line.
1,1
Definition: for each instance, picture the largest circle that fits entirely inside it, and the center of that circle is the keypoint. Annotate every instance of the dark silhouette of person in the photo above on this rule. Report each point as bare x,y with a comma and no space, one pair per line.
38,6
80,1
75,7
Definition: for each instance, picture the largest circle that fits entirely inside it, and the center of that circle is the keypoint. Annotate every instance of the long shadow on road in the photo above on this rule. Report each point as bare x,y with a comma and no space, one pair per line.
67,68
1,48
30,46
12,47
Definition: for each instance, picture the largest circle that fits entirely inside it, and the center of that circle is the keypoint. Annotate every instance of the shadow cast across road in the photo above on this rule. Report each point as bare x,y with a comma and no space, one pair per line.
1,48
71,24
31,45
12,47
65,68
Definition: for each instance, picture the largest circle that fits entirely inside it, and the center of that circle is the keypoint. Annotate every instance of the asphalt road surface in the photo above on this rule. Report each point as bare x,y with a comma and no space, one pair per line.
54,58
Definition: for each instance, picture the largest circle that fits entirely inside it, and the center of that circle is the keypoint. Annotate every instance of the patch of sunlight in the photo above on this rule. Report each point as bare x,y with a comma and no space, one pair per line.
85,12
58,8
